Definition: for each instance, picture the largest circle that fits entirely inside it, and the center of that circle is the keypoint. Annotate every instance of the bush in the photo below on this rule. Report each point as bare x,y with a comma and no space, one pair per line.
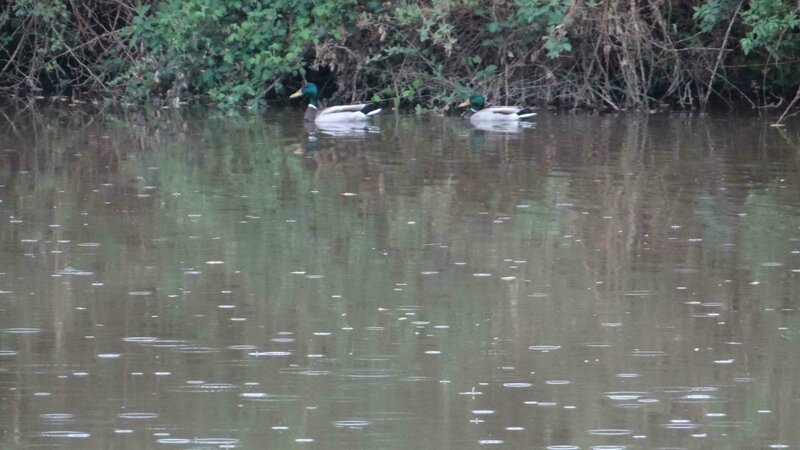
417,54
235,52
62,46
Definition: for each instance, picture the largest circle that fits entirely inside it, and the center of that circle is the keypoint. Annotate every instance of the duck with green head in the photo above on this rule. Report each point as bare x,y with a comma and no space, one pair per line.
477,111
342,113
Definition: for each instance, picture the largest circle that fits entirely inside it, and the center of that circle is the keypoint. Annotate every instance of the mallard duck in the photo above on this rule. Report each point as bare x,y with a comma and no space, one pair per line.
343,113
477,112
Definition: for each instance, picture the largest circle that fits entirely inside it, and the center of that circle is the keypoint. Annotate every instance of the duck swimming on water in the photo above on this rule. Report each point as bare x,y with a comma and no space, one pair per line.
477,111
342,113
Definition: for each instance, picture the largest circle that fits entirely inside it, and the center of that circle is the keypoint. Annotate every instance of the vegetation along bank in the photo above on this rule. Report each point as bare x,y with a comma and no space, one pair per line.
415,54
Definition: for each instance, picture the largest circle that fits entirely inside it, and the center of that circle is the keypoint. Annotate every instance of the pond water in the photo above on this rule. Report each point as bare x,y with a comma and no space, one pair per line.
184,280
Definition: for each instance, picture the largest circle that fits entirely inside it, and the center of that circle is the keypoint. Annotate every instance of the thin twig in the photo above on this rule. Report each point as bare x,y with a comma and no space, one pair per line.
721,54
794,100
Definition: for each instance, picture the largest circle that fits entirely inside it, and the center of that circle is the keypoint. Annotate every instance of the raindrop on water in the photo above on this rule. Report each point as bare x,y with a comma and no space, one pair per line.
22,330
65,434
544,348
609,432
254,395
517,385
137,415
351,423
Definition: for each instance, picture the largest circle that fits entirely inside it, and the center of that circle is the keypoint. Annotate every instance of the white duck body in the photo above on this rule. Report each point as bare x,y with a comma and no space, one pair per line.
343,113
338,114
499,114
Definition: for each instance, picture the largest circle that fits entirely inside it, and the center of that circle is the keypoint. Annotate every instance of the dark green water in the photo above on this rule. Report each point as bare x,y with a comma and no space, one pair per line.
186,281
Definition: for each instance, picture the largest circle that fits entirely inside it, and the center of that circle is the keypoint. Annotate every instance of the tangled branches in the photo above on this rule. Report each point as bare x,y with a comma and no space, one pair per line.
614,55
58,46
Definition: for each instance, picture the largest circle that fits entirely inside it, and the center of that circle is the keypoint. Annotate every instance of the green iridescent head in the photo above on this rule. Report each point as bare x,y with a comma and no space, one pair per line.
476,102
309,90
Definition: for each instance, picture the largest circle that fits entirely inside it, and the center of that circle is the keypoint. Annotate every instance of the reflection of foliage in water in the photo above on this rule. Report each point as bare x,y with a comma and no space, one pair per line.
185,190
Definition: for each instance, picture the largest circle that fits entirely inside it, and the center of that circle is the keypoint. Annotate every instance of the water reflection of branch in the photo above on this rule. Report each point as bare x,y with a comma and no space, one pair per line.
786,138
10,123
329,153
79,138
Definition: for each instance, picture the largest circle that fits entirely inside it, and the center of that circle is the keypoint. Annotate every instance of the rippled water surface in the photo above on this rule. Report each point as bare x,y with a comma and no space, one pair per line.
179,280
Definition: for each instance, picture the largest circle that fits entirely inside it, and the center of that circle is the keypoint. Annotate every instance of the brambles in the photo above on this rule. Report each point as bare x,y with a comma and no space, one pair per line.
62,47
416,54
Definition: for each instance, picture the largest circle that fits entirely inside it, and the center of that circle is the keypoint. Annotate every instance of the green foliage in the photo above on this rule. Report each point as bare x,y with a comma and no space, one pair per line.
232,51
544,18
773,26
48,22
712,12
425,53
51,46
556,46
541,14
